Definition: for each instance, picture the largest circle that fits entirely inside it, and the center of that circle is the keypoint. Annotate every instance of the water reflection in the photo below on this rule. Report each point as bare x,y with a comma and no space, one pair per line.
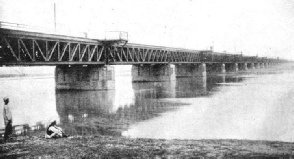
103,112
241,107
218,106
89,112
155,89
191,87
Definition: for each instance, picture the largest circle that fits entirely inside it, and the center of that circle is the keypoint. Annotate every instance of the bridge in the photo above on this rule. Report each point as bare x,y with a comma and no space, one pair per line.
85,63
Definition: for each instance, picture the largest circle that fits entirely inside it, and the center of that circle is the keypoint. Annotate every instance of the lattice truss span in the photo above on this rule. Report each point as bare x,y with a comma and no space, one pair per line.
47,51
27,48
146,54
39,50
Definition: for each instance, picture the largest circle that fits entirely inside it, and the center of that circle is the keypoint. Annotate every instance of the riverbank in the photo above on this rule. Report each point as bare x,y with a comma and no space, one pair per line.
120,147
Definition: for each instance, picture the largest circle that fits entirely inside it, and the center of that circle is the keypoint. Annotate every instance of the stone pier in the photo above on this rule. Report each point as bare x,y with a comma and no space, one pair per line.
153,73
84,77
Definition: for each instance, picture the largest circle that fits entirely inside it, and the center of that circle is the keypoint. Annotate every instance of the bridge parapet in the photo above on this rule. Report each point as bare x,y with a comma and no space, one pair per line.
30,48
60,31
144,54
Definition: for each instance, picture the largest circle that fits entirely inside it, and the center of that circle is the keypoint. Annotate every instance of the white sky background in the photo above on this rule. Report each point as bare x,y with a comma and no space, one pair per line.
263,27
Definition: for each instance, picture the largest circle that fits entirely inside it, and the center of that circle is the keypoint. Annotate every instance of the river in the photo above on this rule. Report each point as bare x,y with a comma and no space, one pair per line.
254,105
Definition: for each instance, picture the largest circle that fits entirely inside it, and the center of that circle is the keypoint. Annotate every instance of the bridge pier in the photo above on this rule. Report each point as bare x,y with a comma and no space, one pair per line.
202,70
223,68
243,66
261,65
84,78
153,73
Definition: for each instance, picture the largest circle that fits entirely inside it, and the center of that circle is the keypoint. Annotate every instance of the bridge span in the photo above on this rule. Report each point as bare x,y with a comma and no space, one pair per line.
84,63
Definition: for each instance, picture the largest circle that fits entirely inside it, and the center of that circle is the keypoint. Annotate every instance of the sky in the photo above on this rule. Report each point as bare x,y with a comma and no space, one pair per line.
253,27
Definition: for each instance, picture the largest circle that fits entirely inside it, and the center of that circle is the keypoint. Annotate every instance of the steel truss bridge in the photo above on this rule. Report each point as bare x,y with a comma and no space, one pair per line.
18,47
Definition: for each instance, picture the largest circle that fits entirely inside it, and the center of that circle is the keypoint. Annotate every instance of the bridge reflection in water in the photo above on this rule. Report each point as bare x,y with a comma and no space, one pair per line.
97,112
107,112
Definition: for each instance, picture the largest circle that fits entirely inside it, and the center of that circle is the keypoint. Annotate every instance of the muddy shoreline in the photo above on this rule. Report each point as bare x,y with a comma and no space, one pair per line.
36,146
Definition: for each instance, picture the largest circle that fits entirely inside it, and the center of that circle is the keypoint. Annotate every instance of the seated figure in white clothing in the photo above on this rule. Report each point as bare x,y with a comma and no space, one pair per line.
54,131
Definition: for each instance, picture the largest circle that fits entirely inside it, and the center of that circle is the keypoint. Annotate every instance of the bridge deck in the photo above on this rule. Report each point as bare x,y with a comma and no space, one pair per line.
34,48
43,36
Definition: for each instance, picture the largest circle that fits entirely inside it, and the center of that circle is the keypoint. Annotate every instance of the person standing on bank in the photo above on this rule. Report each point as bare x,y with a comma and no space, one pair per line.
7,119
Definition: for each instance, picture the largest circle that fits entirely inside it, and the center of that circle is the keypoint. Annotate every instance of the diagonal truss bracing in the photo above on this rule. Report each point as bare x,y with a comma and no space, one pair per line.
144,54
33,49
27,48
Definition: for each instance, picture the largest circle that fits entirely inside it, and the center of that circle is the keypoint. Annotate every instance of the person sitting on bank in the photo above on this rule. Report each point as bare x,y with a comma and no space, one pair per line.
54,131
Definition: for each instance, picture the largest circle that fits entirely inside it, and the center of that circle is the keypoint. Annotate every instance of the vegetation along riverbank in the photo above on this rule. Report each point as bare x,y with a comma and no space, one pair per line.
36,146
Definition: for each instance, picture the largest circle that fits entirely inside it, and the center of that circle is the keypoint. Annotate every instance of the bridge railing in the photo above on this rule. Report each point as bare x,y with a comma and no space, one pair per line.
23,27
30,28
17,49
116,35
209,56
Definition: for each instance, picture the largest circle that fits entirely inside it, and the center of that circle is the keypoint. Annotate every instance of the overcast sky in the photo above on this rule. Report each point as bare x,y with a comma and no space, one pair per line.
263,27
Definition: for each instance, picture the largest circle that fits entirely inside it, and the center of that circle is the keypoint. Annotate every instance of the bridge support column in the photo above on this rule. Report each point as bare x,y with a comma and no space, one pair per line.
223,68
236,67
243,66
261,65
223,78
153,73
266,65
202,69
84,78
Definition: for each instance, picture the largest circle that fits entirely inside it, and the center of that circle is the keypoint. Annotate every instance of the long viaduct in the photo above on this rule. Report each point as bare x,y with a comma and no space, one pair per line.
86,64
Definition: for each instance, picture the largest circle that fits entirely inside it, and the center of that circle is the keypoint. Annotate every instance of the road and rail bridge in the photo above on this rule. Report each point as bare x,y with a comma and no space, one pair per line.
85,63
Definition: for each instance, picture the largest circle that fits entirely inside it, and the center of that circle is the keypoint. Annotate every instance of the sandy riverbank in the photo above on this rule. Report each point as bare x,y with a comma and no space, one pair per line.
119,147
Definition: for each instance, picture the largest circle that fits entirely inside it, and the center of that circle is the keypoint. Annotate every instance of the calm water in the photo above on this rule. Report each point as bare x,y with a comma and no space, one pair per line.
248,105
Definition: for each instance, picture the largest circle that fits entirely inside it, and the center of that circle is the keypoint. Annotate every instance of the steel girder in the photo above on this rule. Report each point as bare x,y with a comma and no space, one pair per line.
28,48
17,48
143,55
36,51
